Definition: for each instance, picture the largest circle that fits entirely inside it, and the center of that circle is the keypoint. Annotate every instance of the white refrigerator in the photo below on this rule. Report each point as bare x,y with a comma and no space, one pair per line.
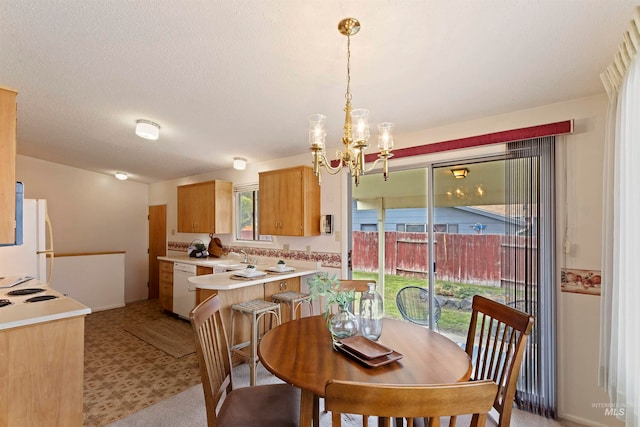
34,257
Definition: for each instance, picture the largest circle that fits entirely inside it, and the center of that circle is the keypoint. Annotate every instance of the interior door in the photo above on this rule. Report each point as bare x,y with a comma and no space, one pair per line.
157,246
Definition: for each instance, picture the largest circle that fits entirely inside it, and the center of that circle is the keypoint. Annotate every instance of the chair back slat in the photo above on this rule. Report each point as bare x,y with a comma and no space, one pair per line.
392,401
213,354
496,351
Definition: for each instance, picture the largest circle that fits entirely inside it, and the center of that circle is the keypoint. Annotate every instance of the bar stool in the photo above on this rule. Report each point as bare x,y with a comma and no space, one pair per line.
255,309
293,300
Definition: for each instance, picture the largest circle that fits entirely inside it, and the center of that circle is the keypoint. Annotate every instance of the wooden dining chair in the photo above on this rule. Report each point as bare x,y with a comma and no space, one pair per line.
392,401
275,405
360,286
496,342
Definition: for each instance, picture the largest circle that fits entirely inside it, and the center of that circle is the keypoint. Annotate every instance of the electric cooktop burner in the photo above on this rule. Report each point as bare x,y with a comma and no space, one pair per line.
4,302
25,291
41,298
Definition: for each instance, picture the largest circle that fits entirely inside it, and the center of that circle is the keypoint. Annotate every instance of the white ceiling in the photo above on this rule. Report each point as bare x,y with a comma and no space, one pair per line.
238,78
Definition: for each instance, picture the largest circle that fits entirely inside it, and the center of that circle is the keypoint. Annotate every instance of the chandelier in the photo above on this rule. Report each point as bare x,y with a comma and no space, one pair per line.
356,129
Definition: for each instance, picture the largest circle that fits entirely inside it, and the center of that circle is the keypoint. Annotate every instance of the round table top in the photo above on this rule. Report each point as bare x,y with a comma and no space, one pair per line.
300,353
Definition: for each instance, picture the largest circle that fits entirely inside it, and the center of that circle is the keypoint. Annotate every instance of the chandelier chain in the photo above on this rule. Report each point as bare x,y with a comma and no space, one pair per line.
348,94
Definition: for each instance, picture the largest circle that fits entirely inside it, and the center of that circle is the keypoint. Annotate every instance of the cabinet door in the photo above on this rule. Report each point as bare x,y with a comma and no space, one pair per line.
196,208
166,285
291,203
269,202
7,165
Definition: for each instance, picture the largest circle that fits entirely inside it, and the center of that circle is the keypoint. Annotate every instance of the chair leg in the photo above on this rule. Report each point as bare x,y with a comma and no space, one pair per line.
254,351
316,410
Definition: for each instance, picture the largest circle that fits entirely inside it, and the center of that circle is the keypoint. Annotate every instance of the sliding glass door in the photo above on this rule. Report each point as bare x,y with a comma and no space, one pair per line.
460,228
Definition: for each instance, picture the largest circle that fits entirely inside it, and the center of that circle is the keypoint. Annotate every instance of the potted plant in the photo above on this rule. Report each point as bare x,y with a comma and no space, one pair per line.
343,323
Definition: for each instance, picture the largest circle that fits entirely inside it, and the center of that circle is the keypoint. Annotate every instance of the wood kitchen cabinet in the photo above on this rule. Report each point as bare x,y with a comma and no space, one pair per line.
42,373
7,165
205,207
289,202
166,285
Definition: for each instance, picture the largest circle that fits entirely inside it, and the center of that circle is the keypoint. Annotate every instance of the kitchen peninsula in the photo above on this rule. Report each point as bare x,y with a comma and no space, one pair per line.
176,285
232,290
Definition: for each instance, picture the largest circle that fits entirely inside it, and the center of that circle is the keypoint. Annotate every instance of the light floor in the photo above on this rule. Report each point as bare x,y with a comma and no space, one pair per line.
124,374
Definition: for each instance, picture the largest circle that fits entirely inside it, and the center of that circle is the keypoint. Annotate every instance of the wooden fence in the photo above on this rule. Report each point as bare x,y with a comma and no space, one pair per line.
466,258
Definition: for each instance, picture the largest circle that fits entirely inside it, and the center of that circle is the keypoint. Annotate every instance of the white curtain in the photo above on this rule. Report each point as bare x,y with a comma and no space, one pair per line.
620,302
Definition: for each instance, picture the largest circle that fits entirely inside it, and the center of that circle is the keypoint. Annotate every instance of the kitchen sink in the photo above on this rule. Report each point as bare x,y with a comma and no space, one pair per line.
228,264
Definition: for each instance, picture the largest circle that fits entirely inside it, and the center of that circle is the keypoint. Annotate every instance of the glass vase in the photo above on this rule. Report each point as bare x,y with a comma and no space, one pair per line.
371,313
343,324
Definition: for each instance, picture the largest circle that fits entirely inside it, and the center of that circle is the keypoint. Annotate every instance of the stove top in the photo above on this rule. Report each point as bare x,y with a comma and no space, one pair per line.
25,294
41,298
25,291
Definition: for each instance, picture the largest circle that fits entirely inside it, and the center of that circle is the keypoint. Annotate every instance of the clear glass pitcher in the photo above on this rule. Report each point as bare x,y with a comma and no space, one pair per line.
371,313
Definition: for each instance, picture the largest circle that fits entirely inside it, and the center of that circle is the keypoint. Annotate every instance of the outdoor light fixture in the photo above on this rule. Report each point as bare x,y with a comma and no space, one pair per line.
460,173
121,176
147,129
356,128
239,163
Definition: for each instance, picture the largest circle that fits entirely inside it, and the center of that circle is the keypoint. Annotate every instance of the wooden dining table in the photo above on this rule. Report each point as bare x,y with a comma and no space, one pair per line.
300,352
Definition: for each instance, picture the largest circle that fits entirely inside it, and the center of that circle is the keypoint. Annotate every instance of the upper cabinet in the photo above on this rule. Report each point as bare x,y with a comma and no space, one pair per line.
205,207
7,166
289,202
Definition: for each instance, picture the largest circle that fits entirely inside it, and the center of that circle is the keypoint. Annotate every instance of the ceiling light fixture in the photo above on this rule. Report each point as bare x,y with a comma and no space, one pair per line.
356,134
147,129
121,176
460,173
239,163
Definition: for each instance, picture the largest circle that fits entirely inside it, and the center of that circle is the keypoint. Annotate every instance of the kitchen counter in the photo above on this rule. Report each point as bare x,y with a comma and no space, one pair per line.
21,313
203,262
42,348
224,282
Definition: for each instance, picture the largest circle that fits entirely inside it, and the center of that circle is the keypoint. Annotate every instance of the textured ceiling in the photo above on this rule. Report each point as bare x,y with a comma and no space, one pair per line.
239,78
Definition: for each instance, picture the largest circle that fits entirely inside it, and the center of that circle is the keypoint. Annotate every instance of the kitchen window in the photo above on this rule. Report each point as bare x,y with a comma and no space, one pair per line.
246,221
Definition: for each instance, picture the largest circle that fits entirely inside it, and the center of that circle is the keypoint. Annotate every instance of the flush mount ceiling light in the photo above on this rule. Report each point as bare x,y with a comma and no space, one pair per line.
121,176
460,173
239,163
355,137
147,129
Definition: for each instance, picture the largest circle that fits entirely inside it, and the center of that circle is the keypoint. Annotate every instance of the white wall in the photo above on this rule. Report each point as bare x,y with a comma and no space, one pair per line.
93,212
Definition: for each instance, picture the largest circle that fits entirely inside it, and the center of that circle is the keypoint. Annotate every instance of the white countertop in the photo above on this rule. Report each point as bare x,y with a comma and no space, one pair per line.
22,313
224,282
203,262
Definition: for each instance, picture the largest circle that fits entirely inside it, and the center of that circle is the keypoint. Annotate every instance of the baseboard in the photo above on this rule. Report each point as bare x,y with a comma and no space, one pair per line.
107,307
579,420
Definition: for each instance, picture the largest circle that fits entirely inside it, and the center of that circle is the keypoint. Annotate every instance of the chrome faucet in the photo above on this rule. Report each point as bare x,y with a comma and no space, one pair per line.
246,257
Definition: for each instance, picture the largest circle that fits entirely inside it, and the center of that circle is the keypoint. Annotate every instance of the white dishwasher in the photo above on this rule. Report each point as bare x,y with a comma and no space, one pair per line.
184,293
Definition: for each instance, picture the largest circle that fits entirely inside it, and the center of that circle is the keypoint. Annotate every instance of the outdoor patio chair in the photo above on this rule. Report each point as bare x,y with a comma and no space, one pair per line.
413,303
